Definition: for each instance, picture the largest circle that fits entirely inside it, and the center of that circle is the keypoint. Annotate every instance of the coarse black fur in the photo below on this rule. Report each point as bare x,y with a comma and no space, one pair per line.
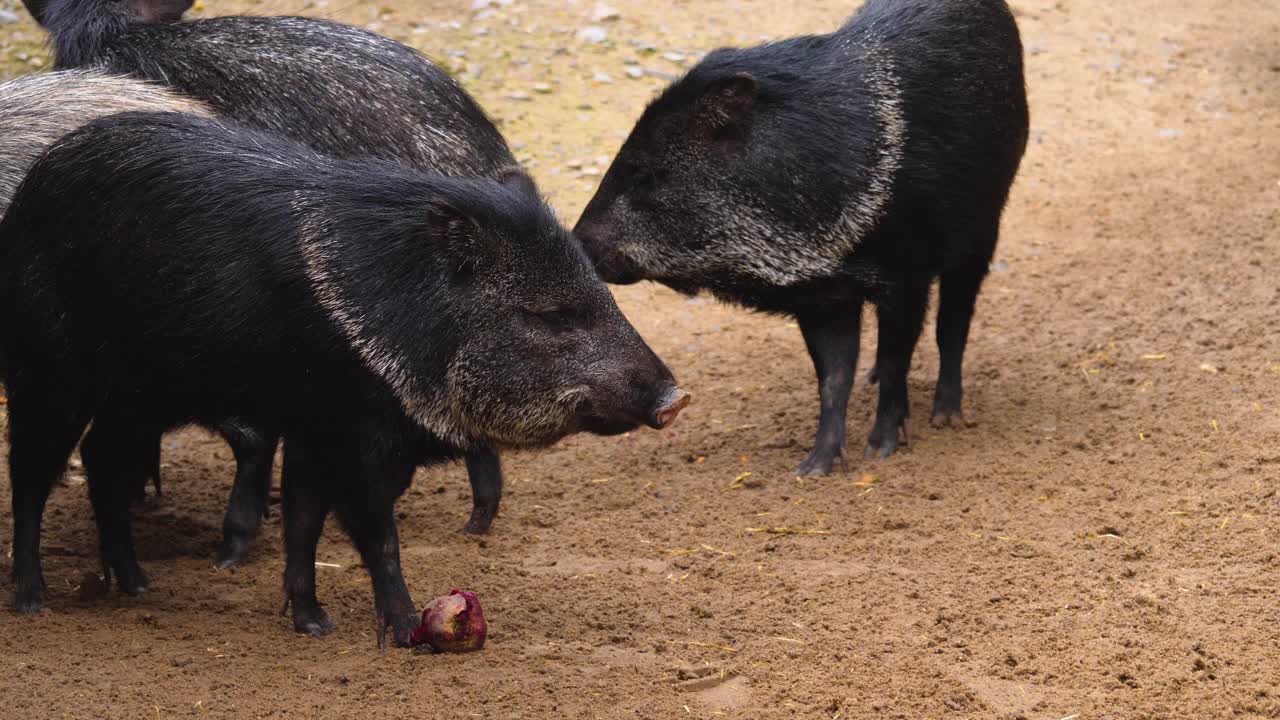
344,91
159,270
807,176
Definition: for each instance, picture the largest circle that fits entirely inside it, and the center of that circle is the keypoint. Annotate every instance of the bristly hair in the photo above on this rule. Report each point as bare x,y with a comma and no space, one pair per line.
78,28
36,110
342,90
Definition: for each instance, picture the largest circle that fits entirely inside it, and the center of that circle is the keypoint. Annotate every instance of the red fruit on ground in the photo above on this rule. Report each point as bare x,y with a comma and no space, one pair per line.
452,623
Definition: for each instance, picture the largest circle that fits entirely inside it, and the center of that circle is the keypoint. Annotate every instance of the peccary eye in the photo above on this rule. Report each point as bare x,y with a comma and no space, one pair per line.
557,319
644,183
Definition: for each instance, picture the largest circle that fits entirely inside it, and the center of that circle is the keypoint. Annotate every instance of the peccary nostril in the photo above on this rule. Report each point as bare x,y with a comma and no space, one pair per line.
672,403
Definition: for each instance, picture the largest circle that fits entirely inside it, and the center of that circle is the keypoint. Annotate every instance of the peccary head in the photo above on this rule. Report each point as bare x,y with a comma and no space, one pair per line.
149,11
507,337
725,180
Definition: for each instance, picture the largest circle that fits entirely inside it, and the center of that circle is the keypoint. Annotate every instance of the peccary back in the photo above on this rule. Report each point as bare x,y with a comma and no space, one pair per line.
343,91
36,110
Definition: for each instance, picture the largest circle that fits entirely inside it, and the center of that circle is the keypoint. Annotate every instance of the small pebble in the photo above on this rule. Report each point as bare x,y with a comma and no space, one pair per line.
604,13
7,17
658,74
601,78
674,57
1169,133
593,34
635,72
542,88
520,96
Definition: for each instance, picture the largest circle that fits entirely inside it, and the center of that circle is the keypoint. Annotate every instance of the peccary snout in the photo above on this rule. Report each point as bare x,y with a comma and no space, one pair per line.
628,386
673,401
611,265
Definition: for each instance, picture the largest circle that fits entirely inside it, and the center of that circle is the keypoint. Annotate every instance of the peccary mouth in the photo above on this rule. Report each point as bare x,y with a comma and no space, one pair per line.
660,417
615,268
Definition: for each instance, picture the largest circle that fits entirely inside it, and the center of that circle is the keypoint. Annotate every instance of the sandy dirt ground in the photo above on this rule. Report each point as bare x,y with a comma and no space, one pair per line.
1103,543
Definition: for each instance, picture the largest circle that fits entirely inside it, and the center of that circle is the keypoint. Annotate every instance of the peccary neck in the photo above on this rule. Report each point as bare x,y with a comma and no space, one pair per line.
81,28
371,268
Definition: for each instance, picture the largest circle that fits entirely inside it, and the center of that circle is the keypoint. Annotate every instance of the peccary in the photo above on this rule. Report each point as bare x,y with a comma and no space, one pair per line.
160,269
343,91
806,176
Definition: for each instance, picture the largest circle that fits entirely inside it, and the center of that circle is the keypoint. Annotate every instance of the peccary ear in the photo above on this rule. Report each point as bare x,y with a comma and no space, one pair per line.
456,233
727,101
517,179
158,12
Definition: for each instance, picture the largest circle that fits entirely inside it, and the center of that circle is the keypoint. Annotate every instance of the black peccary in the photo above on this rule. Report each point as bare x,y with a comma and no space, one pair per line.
343,91
806,176
161,269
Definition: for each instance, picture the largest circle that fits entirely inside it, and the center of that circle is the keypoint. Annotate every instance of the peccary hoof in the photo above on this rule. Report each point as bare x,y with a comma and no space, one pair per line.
29,596
481,520
133,581
821,461
233,553
312,621
402,626
885,438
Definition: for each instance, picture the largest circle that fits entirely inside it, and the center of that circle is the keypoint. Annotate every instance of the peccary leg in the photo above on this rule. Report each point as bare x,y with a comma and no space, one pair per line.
116,454
42,434
152,474
900,317
306,504
958,293
832,339
484,468
254,452
366,507
154,463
